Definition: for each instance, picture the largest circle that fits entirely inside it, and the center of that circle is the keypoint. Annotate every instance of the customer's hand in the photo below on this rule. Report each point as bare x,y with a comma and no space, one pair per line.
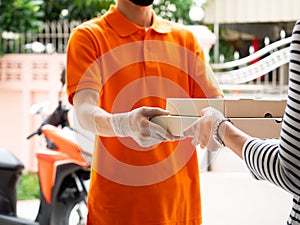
137,124
202,129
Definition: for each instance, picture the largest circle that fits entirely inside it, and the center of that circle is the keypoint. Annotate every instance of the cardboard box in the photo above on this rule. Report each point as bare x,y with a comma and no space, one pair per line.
192,106
257,117
263,128
231,108
254,108
174,124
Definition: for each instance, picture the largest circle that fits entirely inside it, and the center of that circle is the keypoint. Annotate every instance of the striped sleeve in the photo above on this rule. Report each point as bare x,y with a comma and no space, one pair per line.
279,162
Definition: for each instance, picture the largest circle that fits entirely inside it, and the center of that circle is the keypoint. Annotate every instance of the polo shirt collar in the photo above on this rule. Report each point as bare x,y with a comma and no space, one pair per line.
125,27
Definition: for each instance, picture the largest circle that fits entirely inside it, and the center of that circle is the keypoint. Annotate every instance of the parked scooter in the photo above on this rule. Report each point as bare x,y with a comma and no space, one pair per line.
63,169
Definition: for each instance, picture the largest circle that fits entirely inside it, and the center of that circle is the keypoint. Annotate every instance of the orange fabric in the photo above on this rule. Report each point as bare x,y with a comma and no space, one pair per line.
133,67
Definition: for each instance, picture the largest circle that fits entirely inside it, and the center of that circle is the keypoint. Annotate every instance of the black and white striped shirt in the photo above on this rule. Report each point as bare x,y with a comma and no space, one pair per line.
279,162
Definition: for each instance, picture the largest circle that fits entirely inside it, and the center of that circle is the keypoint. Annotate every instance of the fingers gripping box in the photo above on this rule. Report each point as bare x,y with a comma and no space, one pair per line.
257,117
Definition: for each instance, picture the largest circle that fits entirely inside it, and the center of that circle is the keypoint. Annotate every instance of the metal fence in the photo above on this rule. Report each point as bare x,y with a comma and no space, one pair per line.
52,37
269,74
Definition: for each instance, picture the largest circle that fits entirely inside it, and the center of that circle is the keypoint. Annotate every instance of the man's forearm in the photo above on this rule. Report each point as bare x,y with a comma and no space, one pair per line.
90,116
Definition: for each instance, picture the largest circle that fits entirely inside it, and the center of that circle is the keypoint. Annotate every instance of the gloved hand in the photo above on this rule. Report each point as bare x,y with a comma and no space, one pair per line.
202,130
137,124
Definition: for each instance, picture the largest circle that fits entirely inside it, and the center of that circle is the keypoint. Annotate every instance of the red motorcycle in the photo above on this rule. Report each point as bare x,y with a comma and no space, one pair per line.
63,172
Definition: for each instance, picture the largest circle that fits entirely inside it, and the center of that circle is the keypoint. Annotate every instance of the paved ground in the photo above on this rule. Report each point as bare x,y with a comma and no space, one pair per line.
28,209
227,199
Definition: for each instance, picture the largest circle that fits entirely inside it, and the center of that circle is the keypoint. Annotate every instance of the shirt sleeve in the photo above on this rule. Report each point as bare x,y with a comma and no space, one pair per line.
279,161
82,70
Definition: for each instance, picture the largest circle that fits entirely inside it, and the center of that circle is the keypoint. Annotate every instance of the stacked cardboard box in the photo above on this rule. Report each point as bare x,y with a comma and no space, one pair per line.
257,117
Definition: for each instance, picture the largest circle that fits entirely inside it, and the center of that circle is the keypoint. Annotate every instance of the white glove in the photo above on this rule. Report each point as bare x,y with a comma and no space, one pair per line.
205,131
137,124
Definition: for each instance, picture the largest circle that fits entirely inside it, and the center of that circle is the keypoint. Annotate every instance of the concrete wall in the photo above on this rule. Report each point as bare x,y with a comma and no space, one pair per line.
26,79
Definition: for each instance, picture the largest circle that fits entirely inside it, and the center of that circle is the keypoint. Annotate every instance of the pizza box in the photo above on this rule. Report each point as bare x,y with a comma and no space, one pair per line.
254,108
231,108
192,106
263,128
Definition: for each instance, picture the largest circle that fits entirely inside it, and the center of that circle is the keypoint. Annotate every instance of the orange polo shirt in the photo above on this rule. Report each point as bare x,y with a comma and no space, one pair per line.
131,67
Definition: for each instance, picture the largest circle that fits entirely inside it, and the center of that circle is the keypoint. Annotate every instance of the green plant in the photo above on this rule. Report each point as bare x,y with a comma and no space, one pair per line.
28,187
77,10
19,16
176,10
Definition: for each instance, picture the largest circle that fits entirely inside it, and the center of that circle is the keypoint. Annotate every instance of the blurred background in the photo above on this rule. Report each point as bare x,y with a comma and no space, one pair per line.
33,39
